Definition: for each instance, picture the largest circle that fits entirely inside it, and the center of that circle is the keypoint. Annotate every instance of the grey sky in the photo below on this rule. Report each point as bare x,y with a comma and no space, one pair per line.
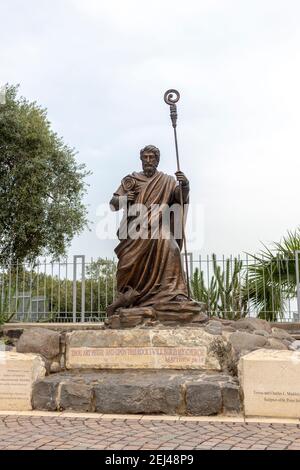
101,68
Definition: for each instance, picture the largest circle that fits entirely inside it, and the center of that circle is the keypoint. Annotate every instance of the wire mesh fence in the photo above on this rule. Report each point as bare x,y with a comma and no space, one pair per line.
76,290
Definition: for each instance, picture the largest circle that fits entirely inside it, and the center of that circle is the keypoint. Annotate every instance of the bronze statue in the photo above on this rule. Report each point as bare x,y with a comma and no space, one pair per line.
151,282
150,276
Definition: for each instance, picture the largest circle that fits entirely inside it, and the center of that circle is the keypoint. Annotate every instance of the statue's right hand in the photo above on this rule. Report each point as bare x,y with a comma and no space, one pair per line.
131,196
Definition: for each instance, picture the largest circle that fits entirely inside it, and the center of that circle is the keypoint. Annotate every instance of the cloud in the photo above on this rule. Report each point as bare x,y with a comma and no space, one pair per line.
101,69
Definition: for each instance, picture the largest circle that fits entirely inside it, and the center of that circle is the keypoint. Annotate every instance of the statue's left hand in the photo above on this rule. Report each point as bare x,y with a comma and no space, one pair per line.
180,176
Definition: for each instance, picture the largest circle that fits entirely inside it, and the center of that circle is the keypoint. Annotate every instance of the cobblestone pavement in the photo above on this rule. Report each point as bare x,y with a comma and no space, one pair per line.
19,432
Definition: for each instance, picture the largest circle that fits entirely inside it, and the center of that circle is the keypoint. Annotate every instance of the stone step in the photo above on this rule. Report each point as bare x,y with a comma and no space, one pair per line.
139,392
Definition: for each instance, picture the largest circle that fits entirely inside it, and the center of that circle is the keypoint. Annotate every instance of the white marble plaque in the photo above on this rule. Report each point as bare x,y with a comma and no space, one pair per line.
270,381
17,375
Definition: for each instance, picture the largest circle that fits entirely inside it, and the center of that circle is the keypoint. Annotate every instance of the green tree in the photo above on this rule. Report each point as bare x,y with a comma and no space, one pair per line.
272,277
41,184
100,284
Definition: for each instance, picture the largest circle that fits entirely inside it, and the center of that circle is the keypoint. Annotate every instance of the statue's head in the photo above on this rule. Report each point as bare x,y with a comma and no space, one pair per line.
150,156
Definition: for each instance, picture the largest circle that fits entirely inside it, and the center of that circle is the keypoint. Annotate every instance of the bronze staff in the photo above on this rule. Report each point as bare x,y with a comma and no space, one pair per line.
171,97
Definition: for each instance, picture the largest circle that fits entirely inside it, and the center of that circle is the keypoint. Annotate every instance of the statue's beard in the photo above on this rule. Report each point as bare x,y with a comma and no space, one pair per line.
149,170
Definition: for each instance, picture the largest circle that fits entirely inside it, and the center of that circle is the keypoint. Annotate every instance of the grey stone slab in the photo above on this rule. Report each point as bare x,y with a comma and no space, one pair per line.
203,398
75,396
40,341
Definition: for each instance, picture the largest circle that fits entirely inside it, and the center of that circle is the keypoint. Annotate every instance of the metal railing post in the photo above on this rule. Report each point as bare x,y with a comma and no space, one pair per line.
75,258
74,288
83,290
297,281
191,264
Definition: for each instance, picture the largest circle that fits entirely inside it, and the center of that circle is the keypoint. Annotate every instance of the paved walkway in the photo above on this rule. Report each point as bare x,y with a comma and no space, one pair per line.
73,431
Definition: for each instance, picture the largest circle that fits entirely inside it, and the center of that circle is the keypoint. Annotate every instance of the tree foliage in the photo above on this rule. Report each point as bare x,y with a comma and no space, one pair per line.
41,184
272,277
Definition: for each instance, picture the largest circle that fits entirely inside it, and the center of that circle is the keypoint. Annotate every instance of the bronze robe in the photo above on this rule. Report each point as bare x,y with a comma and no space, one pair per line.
151,268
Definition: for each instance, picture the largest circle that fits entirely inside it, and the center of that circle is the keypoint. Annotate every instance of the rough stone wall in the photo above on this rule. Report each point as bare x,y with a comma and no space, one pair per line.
190,392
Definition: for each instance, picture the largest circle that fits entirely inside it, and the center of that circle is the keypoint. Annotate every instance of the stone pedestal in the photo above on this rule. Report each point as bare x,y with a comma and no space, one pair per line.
182,348
172,392
18,372
270,381
142,370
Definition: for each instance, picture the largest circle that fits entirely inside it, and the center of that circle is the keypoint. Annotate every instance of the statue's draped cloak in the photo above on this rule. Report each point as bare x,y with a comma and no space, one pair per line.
151,267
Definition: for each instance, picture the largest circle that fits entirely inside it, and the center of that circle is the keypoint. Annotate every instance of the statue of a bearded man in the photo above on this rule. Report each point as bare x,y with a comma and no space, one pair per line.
150,278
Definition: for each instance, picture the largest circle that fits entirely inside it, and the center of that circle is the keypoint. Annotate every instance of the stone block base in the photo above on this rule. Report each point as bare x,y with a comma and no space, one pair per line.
18,372
145,348
139,392
271,383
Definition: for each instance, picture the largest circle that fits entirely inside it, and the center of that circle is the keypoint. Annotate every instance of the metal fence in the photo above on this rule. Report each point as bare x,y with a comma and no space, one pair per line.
63,291
251,285
77,290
